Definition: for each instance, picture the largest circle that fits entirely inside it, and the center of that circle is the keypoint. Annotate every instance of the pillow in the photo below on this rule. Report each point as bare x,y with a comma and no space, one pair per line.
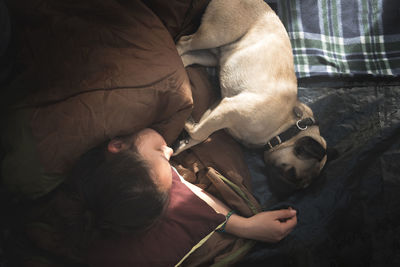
188,219
179,17
94,70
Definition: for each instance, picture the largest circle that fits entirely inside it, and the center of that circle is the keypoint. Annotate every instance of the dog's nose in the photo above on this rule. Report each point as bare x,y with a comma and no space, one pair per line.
290,174
287,168
284,166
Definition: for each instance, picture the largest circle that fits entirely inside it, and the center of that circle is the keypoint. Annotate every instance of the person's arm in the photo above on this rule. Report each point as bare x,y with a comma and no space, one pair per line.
269,226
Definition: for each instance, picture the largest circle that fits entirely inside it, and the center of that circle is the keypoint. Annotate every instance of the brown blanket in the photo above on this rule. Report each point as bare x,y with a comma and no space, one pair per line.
97,69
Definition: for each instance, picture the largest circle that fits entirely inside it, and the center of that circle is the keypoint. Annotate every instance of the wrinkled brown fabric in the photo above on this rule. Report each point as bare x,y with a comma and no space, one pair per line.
119,72
93,70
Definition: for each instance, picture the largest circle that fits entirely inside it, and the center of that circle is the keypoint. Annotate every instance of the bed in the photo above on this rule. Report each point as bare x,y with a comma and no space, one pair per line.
346,58
73,61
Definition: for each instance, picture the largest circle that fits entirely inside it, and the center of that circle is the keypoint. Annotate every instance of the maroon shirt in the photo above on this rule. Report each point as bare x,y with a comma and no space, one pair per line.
188,219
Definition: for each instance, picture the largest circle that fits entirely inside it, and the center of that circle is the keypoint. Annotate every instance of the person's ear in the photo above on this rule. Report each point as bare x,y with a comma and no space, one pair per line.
116,146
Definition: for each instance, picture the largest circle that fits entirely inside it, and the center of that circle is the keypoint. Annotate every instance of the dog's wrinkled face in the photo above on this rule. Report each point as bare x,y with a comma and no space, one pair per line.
298,162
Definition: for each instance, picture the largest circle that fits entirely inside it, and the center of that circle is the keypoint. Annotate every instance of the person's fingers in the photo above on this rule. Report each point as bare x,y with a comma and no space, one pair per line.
289,224
283,214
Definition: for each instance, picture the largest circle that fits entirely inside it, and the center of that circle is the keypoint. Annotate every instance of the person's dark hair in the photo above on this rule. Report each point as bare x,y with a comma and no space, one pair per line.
118,191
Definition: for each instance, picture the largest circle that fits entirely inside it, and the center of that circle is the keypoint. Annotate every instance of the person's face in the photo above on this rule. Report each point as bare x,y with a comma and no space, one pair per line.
153,148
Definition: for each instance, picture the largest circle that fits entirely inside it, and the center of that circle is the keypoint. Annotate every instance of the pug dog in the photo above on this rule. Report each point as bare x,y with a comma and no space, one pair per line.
259,106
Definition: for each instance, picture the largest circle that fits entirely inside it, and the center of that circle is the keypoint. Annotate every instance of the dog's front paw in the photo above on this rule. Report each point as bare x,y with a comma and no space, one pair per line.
183,44
180,49
183,144
186,60
190,125
179,146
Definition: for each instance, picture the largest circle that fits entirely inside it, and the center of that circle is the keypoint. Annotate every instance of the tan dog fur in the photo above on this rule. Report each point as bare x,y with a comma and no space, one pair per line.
250,45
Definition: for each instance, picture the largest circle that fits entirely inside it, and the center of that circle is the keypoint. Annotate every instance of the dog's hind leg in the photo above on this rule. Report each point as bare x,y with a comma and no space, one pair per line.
220,27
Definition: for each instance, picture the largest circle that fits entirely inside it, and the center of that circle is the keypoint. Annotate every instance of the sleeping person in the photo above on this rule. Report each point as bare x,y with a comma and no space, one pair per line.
127,184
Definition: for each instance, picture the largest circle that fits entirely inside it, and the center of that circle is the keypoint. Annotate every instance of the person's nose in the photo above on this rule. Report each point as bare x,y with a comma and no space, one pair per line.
168,152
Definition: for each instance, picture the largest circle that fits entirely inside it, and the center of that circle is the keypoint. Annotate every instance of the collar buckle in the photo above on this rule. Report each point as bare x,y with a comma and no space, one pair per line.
272,146
299,127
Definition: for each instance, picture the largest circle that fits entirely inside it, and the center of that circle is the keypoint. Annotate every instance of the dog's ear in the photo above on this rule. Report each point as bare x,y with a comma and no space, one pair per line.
307,148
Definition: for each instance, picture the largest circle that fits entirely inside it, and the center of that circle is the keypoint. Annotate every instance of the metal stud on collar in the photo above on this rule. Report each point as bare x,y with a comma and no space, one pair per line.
299,127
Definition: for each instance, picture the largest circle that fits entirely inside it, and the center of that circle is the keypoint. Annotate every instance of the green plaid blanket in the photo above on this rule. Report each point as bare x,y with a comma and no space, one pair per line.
343,37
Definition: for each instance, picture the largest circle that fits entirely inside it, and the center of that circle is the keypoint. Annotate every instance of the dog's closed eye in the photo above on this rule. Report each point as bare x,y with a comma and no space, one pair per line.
307,148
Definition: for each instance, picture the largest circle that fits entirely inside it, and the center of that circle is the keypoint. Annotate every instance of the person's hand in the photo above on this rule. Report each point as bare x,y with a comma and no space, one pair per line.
269,226
272,226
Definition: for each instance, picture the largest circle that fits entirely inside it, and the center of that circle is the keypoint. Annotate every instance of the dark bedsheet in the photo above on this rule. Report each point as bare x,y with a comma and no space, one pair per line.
350,216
